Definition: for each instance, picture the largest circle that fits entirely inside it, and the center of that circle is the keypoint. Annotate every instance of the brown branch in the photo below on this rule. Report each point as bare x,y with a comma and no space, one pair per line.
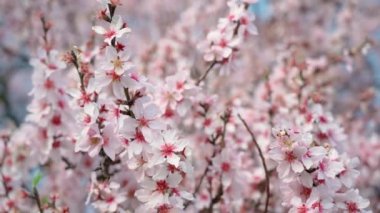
302,87
225,118
105,167
36,197
206,73
46,25
268,87
217,198
75,61
69,164
262,160
236,30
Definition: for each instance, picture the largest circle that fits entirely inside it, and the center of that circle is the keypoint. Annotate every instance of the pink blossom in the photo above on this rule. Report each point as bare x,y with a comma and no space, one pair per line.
116,30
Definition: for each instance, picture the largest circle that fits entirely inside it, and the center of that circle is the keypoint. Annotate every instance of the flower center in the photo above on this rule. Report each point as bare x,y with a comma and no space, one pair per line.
143,122
94,141
56,120
289,156
110,34
162,186
352,207
164,208
305,191
226,167
223,43
167,149
168,113
49,84
117,63
244,21
179,85
139,137
207,122
110,199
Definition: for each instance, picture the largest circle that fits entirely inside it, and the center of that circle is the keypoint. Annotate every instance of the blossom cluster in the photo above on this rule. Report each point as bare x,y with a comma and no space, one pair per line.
316,176
223,43
133,119
120,121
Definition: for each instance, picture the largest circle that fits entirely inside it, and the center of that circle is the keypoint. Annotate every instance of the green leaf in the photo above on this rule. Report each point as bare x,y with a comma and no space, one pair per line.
37,178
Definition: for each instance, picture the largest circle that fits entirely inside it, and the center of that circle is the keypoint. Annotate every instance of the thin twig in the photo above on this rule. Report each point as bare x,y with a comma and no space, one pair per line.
236,30
69,164
217,197
46,27
303,85
36,197
262,160
206,73
225,118
270,94
76,63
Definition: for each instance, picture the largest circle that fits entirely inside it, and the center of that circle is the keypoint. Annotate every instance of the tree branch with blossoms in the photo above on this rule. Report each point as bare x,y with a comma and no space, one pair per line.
119,123
267,176
223,42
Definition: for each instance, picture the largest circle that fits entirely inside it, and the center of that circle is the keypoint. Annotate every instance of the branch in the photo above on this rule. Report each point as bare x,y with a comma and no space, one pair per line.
46,25
225,118
76,62
236,30
36,197
105,167
206,73
69,164
262,160
269,90
303,85
217,198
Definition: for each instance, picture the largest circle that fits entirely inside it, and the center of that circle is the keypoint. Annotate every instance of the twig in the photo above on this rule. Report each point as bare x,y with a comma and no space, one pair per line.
262,160
225,118
36,197
236,30
206,73
105,167
201,180
217,197
69,165
303,85
46,27
270,94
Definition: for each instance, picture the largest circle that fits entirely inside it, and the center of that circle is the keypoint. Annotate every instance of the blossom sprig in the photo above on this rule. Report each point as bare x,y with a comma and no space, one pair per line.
267,177
221,43
123,121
